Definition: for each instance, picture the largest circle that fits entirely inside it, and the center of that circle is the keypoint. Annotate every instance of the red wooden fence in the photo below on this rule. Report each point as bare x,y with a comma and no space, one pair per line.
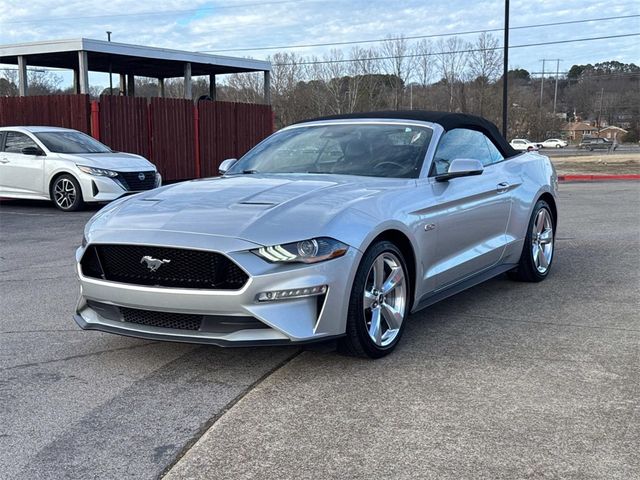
172,138
228,130
69,111
124,124
182,139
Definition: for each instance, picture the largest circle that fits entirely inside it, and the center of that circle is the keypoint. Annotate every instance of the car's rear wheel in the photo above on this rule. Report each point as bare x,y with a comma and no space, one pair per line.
537,254
66,193
379,303
558,145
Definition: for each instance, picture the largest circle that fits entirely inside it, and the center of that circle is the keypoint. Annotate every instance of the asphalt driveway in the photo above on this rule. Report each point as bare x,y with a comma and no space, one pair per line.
506,380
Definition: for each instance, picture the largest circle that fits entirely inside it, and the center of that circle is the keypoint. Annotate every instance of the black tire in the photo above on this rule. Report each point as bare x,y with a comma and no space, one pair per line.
526,271
66,193
558,146
357,341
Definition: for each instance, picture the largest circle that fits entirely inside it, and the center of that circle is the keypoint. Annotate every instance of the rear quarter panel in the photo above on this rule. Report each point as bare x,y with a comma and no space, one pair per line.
537,176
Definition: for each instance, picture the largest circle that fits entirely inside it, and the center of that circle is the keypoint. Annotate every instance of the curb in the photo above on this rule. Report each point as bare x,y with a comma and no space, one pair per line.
597,178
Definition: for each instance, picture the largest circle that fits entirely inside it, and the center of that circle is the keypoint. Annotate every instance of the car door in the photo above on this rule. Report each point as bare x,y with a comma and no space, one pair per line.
20,173
471,212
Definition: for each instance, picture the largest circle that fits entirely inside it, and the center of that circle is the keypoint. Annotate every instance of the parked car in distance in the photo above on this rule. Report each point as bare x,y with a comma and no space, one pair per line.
554,143
68,167
523,145
597,143
330,228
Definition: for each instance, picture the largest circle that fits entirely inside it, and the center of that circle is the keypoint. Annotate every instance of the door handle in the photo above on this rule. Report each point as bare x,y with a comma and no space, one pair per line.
502,187
4,160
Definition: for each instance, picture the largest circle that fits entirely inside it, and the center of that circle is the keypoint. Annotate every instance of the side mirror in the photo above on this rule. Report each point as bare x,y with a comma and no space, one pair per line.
461,167
226,165
32,151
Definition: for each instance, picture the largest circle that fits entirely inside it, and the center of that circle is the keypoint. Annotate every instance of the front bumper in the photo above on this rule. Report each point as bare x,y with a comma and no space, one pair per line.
104,189
284,321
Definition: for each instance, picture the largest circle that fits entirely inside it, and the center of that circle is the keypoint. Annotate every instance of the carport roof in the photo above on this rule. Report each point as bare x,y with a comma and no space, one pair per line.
126,58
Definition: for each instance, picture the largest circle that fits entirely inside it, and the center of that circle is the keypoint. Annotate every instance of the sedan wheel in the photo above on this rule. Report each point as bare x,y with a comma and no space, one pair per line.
66,193
379,303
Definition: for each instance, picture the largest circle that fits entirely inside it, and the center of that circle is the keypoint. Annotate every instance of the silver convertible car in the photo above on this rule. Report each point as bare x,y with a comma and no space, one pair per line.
331,228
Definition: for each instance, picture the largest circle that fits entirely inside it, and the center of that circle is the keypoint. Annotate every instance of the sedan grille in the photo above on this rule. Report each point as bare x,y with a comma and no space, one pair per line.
162,267
180,321
137,181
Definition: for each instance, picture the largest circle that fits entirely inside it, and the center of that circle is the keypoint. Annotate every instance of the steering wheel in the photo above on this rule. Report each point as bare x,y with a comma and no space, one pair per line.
393,164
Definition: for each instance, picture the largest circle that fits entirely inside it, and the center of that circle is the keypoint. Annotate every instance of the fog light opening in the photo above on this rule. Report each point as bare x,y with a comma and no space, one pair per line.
292,293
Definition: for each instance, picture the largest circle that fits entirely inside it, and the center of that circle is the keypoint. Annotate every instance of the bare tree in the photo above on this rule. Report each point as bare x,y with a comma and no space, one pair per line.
398,63
485,61
425,66
452,61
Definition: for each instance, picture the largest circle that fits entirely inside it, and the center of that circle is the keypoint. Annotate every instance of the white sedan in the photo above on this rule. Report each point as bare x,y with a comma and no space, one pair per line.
523,145
554,143
68,167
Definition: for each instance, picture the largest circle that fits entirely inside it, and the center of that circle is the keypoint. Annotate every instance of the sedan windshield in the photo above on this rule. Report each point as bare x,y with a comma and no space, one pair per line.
377,150
71,142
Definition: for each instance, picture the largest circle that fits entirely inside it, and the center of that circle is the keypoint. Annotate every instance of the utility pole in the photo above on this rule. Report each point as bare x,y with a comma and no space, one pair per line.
542,82
110,72
600,110
505,71
555,93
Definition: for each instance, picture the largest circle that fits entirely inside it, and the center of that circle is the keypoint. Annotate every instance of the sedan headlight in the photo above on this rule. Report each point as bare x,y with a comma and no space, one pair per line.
306,251
100,172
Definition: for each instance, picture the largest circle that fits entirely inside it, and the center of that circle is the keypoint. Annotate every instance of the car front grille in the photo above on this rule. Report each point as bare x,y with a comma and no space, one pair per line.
179,321
162,267
132,181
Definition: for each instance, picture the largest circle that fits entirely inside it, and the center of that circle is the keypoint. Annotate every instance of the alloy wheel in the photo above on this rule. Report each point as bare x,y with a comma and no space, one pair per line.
64,193
542,240
385,299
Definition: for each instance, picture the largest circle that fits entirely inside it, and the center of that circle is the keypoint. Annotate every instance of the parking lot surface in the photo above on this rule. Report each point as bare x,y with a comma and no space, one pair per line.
506,380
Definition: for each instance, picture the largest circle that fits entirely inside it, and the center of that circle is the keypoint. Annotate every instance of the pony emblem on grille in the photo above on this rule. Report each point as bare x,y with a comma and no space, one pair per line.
153,264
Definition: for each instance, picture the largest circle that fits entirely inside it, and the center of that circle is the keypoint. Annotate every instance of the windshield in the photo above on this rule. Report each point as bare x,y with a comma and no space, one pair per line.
389,150
71,142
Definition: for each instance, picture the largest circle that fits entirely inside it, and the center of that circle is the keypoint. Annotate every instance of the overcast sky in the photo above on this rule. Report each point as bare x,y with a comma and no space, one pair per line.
231,24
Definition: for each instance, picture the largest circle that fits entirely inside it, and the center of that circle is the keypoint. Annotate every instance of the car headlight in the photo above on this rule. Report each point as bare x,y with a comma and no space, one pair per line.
306,251
100,172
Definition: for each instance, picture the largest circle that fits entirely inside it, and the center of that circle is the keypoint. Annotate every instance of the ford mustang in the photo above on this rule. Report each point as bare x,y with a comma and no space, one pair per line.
338,227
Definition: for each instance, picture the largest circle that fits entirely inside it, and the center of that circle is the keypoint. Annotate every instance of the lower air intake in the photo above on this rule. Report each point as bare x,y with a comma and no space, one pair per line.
178,321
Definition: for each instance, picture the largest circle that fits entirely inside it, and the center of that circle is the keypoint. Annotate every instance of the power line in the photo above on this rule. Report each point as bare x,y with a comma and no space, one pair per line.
161,12
417,37
468,50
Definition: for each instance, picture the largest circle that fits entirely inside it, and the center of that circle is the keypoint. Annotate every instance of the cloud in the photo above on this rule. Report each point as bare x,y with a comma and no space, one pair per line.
227,24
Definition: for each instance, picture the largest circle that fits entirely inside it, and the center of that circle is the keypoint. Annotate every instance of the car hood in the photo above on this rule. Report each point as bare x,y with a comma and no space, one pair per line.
112,161
261,209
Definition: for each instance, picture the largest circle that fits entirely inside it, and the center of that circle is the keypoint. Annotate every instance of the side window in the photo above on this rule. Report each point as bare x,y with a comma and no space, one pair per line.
496,156
461,143
16,141
1,141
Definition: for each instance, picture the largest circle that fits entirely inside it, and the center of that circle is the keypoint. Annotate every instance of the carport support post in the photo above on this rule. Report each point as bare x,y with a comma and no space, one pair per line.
212,87
22,76
123,85
131,85
161,87
187,81
83,71
267,87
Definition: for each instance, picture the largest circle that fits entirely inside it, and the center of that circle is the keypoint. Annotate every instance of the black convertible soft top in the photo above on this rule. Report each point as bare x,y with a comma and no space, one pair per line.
447,120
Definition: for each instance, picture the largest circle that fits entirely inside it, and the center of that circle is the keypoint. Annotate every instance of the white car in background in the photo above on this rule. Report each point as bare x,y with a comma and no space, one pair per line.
68,167
554,143
523,145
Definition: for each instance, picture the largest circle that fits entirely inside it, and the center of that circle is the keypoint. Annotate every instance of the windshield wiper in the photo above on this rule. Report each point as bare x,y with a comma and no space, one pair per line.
250,171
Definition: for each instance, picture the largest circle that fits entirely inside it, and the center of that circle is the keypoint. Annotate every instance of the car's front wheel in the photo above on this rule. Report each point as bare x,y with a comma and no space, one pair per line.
379,303
66,193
